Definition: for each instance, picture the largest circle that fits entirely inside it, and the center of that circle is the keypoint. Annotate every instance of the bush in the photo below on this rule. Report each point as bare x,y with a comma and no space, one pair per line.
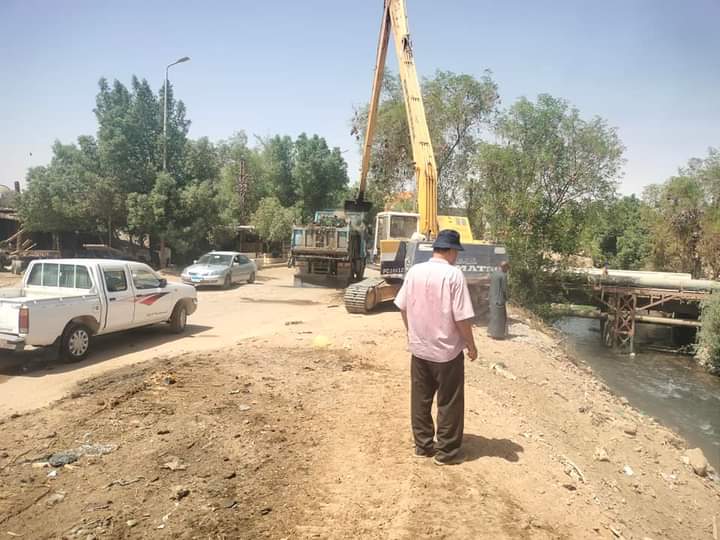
709,335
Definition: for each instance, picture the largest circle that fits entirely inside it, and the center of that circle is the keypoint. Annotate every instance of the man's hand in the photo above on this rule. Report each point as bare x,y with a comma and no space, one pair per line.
465,329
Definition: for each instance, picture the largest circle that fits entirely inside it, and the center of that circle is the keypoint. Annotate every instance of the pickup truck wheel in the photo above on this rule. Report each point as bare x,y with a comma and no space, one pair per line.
227,283
178,320
251,279
75,342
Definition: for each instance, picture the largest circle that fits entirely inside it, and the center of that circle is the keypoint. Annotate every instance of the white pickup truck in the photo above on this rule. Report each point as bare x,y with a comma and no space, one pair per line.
66,302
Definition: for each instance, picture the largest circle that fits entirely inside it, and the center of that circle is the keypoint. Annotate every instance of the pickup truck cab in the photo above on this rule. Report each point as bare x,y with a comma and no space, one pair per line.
67,302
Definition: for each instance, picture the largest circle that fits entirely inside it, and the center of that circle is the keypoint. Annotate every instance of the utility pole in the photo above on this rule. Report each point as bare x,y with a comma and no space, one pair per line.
165,108
242,186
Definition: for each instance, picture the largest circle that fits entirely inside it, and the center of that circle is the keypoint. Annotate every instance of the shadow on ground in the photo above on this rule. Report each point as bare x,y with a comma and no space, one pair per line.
297,302
477,446
40,362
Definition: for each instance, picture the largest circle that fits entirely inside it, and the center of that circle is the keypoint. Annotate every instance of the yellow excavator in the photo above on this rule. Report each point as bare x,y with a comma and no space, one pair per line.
405,239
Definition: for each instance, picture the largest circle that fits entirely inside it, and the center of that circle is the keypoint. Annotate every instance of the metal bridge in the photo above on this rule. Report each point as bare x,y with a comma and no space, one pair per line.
621,299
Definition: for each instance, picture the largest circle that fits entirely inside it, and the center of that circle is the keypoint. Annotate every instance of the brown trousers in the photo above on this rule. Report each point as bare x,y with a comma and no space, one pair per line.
447,379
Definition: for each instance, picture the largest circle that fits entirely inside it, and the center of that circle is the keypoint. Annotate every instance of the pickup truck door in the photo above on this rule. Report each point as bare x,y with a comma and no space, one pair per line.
120,297
152,302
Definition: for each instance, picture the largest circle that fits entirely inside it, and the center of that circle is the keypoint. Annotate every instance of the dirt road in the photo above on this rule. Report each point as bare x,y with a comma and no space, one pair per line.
301,431
34,379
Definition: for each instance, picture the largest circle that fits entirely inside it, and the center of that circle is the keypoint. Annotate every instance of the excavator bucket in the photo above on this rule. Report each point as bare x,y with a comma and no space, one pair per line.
358,205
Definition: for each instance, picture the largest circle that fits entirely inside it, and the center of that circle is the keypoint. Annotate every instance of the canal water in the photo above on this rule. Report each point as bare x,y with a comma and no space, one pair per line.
668,387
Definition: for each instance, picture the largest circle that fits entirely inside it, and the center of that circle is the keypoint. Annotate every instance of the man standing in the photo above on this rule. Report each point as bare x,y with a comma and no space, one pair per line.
437,312
497,327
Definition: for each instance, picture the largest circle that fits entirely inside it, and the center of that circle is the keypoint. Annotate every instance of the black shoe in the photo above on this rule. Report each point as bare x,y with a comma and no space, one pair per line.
444,460
420,453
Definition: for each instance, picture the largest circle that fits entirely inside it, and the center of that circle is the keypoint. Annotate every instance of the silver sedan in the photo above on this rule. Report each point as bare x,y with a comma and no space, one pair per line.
220,268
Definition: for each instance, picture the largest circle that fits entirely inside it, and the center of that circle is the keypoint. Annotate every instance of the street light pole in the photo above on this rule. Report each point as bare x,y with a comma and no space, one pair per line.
165,108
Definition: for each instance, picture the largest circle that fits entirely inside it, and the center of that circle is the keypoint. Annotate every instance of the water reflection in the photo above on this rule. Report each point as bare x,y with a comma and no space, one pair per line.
665,386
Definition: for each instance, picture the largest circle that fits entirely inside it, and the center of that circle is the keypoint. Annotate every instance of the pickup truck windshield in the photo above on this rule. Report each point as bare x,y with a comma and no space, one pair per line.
212,258
70,276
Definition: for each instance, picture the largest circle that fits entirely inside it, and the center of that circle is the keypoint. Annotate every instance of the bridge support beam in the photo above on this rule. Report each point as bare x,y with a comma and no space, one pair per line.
623,328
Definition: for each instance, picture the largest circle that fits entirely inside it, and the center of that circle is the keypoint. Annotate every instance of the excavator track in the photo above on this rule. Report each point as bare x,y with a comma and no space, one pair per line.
362,297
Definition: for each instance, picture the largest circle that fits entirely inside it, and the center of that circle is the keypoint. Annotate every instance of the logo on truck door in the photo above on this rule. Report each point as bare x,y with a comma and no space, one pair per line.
149,299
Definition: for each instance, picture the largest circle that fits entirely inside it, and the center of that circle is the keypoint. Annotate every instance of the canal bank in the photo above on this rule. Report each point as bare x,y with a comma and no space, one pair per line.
670,388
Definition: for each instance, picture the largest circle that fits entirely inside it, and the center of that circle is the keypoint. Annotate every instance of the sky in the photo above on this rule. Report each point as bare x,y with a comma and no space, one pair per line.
651,68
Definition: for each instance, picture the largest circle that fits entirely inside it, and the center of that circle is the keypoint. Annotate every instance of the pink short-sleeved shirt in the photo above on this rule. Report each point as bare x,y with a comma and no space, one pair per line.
434,295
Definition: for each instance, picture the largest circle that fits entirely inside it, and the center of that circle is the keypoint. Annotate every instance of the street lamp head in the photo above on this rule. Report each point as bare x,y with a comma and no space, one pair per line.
180,61
165,108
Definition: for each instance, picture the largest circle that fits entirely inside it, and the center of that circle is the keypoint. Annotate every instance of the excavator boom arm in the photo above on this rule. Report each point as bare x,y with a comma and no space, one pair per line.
375,99
395,20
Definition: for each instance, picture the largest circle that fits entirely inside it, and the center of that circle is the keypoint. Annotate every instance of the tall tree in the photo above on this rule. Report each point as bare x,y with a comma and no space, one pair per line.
548,162
277,155
679,207
458,107
130,134
320,174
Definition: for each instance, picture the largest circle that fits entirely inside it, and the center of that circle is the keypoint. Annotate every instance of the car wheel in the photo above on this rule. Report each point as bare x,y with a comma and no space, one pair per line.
251,279
75,342
228,282
178,320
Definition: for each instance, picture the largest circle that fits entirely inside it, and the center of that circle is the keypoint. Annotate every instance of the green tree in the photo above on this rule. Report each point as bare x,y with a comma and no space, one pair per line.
277,155
617,232
707,172
273,222
709,245
242,182
548,167
201,161
319,173
130,134
41,206
70,194
197,223
676,224
458,107
708,336
154,213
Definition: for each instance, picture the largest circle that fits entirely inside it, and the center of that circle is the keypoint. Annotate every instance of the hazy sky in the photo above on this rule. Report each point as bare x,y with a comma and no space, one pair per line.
650,67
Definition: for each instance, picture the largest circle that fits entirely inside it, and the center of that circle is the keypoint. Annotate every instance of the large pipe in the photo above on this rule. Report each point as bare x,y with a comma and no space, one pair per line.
590,312
650,280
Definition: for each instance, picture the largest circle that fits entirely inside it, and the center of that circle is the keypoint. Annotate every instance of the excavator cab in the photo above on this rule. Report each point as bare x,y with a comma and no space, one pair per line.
391,230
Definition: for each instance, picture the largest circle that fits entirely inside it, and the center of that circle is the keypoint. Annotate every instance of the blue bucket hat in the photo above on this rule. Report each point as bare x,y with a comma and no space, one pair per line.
448,239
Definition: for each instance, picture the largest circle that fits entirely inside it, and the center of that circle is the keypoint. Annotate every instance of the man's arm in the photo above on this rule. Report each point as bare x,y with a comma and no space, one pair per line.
404,317
465,329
